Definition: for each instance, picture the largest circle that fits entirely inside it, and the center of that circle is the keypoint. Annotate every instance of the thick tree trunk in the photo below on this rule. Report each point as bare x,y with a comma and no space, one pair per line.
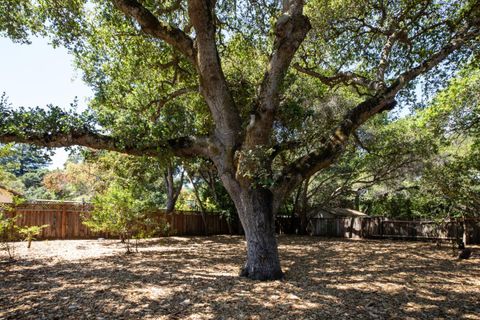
172,191
200,204
300,207
303,208
170,207
255,209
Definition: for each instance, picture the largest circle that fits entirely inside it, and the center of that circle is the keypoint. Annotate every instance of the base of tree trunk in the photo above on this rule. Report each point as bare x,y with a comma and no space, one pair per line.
262,262
258,221
262,275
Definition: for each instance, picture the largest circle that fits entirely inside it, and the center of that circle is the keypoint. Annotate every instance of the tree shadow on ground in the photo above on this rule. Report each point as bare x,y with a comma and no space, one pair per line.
197,279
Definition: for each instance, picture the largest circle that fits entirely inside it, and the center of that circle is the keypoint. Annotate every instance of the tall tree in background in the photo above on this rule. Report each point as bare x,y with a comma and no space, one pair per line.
7,179
24,158
452,183
214,79
384,157
173,185
22,166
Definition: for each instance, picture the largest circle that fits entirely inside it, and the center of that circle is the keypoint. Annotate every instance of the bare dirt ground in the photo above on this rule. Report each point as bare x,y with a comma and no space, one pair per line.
196,278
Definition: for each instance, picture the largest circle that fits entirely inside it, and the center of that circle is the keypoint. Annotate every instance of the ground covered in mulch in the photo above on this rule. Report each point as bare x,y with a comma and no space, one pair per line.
196,278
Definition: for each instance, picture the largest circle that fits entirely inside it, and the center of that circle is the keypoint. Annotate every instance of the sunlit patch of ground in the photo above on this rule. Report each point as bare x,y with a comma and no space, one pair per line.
196,278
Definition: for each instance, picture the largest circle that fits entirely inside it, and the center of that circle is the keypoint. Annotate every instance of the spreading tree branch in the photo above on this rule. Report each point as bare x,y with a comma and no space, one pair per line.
55,128
160,103
156,28
347,78
183,146
290,31
213,85
333,146
385,55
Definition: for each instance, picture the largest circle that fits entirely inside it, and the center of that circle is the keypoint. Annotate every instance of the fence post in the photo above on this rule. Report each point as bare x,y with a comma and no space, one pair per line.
352,219
361,227
64,222
381,226
464,225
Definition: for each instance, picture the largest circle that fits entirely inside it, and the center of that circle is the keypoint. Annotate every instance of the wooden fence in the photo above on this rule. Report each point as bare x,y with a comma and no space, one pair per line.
380,227
65,220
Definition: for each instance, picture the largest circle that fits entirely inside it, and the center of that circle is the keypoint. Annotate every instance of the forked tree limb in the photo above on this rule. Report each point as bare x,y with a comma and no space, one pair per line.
290,31
151,25
213,85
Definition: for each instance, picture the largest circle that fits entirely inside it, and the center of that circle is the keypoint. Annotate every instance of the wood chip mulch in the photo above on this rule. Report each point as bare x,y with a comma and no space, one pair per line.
196,278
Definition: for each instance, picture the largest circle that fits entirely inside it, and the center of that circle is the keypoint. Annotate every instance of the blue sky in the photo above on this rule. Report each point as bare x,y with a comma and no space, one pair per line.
37,75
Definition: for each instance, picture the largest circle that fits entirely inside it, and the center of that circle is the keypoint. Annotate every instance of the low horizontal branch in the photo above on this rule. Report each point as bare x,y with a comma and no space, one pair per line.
183,146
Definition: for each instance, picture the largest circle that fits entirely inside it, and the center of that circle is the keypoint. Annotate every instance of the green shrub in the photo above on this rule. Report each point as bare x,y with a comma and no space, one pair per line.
8,231
118,212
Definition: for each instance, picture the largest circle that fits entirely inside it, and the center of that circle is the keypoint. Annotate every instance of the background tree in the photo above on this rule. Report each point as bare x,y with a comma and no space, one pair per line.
23,166
450,185
24,158
209,192
166,79
8,179
174,177
422,166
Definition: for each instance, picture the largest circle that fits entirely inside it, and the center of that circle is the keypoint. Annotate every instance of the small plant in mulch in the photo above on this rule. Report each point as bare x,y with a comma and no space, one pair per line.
31,232
8,227
11,232
8,234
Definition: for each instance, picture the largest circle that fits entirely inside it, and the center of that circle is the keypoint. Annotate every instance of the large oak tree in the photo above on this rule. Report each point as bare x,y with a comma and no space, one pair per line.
238,83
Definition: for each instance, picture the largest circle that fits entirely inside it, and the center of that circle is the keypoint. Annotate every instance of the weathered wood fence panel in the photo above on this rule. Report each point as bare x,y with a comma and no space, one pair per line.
337,227
380,227
191,223
65,220
473,231
420,229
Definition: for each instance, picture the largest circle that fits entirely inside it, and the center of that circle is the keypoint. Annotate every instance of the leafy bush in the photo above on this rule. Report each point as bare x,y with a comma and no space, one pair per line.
119,212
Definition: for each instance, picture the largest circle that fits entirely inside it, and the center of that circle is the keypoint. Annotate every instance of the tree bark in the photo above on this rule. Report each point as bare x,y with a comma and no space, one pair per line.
255,209
172,191
170,207
301,207
200,204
